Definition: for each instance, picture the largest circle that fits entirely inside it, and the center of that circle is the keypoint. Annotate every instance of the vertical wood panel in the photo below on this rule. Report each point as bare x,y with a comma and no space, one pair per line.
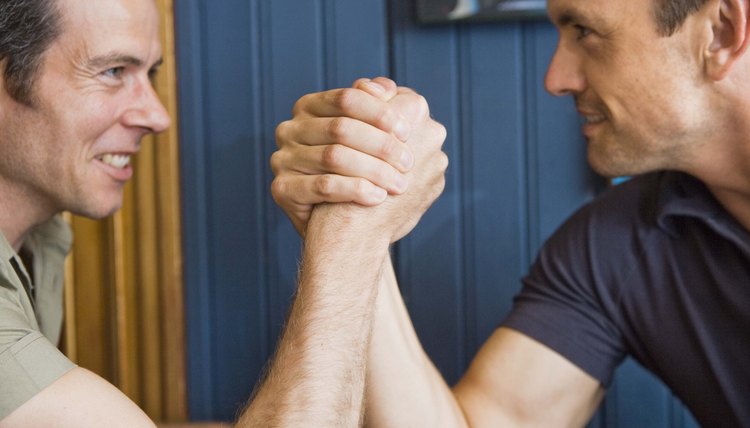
190,17
92,339
636,400
292,65
426,63
350,27
494,166
233,162
170,293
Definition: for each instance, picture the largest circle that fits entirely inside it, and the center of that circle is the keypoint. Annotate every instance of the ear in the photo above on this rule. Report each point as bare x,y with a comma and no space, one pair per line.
731,36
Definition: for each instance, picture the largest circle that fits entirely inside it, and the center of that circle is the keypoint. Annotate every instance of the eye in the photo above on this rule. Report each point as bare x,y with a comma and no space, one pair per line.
114,72
152,74
582,31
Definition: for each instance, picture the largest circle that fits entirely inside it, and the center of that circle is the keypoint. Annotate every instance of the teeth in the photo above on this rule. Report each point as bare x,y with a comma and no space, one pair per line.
117,161
594,119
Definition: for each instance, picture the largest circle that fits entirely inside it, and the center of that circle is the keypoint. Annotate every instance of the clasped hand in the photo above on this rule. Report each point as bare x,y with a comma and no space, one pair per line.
373,145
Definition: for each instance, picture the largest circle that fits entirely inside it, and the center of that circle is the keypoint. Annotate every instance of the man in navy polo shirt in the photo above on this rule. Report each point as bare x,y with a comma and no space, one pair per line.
657,268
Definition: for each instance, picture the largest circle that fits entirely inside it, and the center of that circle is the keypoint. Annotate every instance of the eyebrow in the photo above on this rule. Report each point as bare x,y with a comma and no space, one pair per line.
118,58
570,16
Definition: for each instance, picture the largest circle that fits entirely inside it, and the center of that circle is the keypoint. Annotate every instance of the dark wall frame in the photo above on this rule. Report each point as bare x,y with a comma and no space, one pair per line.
443,11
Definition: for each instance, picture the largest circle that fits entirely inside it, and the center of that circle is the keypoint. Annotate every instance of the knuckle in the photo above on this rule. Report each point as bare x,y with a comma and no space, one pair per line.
276,162
338,128
443,161
282,132
345,99
331,156
441,130
299,105
414,107
279,190
437,133
423,108
324,185
387,148
440,186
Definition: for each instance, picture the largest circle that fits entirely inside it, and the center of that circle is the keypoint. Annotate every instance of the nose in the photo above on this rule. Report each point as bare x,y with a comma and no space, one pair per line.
147,111
565,75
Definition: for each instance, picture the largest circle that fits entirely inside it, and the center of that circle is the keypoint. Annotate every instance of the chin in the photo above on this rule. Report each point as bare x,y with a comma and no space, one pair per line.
95,214
603,166
610,163
98,209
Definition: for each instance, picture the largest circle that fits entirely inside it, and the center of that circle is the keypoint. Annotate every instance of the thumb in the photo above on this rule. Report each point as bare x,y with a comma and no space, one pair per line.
380,87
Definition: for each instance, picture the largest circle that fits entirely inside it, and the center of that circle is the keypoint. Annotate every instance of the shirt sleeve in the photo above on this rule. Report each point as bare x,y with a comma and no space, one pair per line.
568,301
29,362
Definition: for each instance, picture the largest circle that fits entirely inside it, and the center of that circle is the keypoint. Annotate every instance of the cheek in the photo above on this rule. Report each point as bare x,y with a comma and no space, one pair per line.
89,123
651,103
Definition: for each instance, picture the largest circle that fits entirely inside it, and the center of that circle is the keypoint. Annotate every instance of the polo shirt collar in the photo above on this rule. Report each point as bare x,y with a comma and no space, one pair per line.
681,196
55,232
6,253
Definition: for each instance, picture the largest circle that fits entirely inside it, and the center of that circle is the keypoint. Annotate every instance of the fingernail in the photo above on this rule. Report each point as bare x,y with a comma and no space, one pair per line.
407,159
402,130
401,183
378,194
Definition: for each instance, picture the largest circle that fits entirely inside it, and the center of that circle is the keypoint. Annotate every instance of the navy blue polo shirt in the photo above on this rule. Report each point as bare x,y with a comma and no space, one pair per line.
654,268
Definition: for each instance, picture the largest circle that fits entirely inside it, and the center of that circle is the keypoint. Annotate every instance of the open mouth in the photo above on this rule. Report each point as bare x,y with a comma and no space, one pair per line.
593,119
116,161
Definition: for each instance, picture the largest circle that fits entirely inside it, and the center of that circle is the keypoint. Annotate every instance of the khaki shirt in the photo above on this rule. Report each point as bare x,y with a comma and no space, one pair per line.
30,328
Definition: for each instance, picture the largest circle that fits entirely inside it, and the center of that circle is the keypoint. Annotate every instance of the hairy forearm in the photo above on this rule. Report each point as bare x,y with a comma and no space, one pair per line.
404,389
317,376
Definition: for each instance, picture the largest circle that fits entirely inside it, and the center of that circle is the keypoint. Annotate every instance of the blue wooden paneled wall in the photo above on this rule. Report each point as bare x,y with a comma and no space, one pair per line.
517,170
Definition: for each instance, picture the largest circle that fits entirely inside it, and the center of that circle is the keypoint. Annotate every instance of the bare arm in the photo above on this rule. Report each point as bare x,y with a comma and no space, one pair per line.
79,399
317,377
513,381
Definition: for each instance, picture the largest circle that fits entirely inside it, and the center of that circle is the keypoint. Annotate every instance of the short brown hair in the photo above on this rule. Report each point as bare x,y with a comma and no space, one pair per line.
671,14
27,29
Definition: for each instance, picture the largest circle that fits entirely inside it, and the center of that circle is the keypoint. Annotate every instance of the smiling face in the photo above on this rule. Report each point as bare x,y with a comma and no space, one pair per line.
642,95
92,103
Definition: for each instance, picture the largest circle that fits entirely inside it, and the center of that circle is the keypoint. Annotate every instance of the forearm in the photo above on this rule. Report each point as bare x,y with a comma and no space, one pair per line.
403,386
317,376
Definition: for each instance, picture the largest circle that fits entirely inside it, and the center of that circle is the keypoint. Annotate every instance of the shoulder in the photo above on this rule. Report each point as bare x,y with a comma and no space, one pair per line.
570,296
29,362
613,227
632,204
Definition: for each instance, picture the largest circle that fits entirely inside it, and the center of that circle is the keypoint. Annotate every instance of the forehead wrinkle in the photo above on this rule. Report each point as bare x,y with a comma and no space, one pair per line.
122,22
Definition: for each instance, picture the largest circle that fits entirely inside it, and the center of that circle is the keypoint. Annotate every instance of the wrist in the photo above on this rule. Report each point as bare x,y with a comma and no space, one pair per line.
347,226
